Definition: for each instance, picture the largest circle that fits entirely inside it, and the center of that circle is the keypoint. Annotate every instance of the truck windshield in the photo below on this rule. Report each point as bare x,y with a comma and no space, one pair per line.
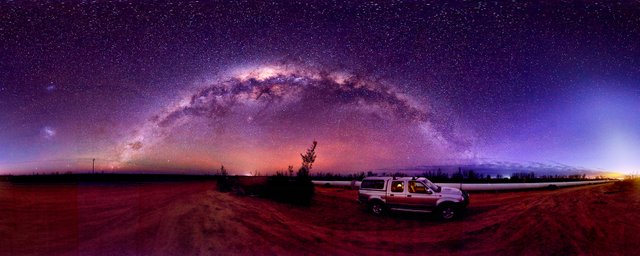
432,186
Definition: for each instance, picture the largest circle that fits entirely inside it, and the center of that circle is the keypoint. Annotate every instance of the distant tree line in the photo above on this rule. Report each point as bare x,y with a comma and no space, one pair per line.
466,176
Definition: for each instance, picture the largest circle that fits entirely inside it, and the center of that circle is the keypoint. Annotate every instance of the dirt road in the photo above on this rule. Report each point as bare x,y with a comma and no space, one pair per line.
193,218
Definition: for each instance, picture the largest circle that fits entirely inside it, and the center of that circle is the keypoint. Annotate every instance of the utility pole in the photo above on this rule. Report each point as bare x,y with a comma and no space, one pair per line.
93,166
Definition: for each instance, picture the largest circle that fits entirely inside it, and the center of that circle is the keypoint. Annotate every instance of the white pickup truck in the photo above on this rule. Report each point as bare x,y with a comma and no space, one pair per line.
380,194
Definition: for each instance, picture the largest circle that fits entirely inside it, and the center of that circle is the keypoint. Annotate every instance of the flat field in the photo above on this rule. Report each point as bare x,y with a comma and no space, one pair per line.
192,218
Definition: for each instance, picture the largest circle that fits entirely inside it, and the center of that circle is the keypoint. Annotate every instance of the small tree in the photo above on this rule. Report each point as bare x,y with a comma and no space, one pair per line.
290,170
225,183
307,160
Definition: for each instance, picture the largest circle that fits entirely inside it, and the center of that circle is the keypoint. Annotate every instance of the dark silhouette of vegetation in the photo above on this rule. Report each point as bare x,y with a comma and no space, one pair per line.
225,183
307,160
436,176
464,176
282,186
223,171
296,190
335,176
523,176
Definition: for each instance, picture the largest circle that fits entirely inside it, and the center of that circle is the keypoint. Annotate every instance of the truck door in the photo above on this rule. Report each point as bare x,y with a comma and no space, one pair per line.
420,197
397,193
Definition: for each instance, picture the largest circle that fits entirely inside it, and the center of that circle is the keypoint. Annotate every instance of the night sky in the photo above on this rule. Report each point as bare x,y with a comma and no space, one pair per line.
187,87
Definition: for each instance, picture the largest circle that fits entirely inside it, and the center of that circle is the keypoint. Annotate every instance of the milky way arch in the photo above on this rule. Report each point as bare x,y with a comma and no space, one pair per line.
283,99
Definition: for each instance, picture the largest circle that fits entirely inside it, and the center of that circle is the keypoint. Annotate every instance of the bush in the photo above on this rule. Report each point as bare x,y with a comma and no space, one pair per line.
294,190
226,183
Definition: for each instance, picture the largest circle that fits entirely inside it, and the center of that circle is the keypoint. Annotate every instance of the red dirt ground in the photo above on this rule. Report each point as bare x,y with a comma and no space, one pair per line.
193,218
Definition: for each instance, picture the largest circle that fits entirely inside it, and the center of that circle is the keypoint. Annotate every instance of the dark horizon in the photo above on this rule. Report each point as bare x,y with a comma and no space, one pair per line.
484,169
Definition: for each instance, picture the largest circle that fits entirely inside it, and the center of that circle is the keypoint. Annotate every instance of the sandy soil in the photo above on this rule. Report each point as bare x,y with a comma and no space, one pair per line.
193,218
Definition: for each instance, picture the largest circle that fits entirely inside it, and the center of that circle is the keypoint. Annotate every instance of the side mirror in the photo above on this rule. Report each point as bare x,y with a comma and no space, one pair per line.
429,191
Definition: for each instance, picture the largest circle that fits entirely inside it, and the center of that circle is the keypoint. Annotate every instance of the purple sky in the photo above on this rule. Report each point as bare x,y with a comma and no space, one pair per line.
191,86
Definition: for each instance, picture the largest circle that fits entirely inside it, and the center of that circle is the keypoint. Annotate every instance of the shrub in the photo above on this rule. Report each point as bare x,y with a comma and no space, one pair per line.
295,190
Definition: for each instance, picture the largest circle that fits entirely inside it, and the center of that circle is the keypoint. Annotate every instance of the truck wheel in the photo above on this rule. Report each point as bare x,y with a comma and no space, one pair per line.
448,211
377,208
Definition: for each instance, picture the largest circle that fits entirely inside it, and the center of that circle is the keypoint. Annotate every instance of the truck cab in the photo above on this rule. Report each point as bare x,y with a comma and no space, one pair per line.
381,194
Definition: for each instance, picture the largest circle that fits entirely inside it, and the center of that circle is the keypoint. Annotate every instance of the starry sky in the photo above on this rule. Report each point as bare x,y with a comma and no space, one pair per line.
189,86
